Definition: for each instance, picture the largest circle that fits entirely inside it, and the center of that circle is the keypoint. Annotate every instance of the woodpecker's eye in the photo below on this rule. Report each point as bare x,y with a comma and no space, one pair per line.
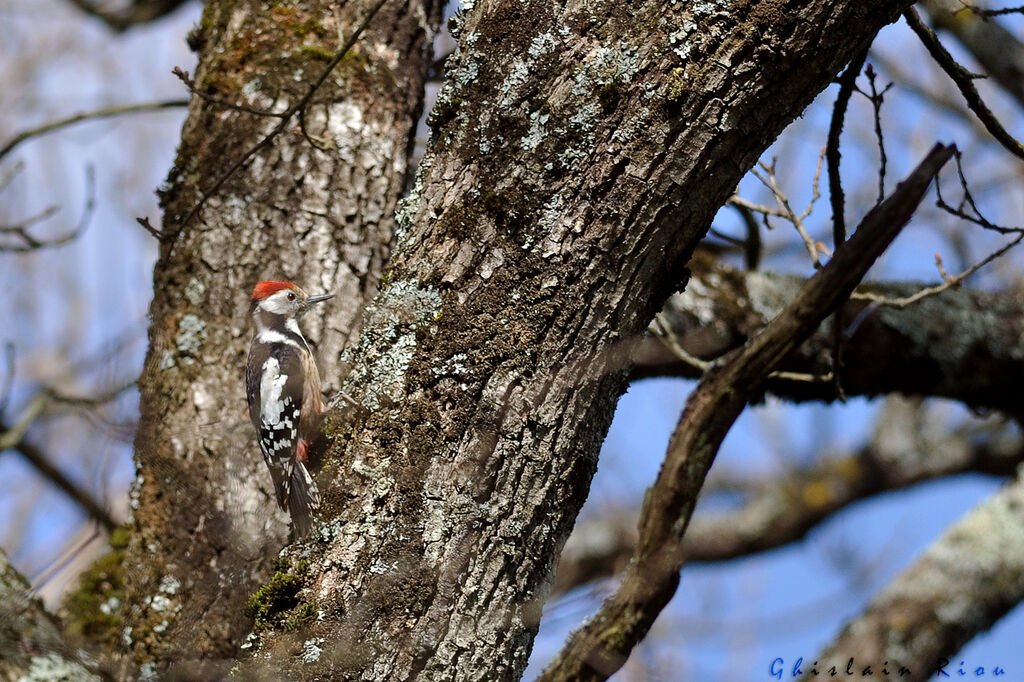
291,297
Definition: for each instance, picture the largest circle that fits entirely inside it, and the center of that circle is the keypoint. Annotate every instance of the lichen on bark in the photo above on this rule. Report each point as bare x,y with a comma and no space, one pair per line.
568,178
578,155
202,511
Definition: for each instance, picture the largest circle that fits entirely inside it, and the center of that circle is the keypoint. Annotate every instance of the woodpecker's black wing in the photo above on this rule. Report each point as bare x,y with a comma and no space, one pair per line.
275,391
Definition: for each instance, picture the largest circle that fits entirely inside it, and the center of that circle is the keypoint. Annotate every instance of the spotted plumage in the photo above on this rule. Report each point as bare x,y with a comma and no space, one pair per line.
283,390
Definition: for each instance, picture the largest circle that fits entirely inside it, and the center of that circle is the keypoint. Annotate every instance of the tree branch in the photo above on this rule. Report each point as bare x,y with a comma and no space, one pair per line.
139,12
963,583
961,344
105,112
784,509
24,241
31,643
13,438
995,48
601,647
847,83
964,81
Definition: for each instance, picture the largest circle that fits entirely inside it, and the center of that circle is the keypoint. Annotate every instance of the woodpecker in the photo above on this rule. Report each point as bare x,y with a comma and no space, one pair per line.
283,388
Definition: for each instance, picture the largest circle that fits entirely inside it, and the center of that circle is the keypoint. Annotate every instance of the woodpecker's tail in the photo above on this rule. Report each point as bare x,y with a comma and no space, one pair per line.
303,500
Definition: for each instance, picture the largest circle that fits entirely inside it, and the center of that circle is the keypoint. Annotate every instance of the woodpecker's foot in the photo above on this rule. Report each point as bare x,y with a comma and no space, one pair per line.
300,451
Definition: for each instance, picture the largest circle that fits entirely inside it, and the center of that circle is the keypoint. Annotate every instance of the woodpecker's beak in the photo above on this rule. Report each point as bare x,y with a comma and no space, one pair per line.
316,299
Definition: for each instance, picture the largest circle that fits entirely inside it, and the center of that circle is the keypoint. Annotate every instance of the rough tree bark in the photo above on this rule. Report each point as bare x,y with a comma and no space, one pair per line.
206,528
962,584
962,344
579,153
32,646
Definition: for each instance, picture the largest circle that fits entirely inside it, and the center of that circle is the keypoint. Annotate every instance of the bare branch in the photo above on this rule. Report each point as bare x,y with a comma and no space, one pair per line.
34,455
752,245
13,438
937,100
995,48
106,112
661,329
996,12
964,81
962,344
20,229
783,510
847,83
967,202
838,198
92,400
877,97
949,281
26,242
184,77
138,12
5,394
600,648
963,583
783,208
9,176
148,227
13,435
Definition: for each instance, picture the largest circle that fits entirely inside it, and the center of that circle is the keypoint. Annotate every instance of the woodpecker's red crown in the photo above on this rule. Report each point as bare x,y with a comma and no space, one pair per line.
270,287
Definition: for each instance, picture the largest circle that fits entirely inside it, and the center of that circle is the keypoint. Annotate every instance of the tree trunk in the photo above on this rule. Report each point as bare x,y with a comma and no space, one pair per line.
579,153
206,526
31,645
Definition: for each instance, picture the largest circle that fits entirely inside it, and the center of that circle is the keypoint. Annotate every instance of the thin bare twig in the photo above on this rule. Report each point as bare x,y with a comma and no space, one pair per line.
9,176
21,228
600,647
739,202
148,227
976,217
184,77
12,435
25,242
106,112
995,12
5,394
964,81
663,331
949,281
783,209
91,400
876,98
847,83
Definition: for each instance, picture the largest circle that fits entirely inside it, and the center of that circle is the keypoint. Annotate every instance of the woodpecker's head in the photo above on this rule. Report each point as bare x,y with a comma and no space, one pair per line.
279,301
